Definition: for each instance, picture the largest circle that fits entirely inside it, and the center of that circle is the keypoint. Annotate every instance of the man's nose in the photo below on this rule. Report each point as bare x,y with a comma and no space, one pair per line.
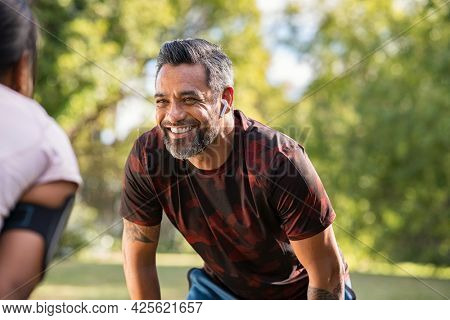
176,112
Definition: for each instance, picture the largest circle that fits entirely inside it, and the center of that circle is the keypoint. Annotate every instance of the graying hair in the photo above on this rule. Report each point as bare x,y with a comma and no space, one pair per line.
219,70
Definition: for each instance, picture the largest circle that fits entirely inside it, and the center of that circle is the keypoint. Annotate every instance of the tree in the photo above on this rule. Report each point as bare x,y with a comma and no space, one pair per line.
380,132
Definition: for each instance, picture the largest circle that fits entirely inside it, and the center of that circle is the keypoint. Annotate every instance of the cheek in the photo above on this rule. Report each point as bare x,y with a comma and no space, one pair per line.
204,117
159,116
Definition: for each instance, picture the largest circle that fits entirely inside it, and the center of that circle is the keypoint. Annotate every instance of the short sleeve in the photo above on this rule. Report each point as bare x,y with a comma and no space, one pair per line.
139,204
17,175
298,196
62,163
36,151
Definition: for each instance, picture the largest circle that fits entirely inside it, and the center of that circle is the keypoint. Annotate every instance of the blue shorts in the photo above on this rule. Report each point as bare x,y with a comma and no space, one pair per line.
202,287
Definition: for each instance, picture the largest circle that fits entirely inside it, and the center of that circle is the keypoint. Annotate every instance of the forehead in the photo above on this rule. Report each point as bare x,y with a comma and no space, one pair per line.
181,77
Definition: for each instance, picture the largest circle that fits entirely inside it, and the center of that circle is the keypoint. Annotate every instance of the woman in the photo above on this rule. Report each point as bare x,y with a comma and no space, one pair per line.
38,169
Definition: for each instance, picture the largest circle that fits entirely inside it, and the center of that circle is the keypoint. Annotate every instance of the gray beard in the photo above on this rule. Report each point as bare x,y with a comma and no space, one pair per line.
191,148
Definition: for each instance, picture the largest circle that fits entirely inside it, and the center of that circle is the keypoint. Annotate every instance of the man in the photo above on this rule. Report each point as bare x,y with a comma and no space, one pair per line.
38,169
244,196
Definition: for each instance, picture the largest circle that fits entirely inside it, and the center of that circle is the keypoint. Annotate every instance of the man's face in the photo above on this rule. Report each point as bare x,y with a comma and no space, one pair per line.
186,110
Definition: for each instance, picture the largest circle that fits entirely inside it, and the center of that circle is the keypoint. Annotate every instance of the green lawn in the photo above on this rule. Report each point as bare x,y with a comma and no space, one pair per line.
100,280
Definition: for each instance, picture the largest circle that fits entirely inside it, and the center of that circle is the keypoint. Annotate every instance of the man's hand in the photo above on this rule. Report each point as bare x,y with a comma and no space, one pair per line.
322,260
139,245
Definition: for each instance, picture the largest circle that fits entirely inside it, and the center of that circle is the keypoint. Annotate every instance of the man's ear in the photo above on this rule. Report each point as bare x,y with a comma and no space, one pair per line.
22,77
228,95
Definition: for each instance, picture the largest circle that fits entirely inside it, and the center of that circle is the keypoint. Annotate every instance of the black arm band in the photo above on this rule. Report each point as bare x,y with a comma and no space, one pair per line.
48,222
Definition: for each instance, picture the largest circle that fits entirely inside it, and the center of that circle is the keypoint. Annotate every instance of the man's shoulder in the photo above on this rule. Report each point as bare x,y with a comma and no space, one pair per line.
264,144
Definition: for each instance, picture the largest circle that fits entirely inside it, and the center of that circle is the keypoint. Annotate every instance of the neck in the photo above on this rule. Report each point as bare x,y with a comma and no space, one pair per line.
217,152
6,79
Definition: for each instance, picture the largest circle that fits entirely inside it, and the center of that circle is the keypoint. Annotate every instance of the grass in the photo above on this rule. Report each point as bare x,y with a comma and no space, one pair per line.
104,280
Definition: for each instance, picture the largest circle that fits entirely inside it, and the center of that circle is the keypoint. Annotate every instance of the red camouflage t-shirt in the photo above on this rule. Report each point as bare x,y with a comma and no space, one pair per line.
240,217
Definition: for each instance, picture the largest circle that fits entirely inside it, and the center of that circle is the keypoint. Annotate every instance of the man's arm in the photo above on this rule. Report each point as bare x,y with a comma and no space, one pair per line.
139,245
320,256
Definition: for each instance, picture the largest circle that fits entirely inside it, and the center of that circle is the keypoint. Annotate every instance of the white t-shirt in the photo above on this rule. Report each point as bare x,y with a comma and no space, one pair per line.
33,149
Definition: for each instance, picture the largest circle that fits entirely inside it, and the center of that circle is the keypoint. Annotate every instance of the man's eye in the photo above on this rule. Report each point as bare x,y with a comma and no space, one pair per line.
190,100
161,102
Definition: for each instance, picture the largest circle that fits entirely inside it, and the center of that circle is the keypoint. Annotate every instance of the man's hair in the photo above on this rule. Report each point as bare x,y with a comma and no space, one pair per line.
219,71
17,33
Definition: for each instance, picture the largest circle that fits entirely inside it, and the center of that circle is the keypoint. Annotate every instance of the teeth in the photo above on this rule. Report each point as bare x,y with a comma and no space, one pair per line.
181,130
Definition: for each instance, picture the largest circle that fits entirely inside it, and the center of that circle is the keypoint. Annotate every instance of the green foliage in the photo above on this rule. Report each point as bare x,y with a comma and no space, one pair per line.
92,51
380,134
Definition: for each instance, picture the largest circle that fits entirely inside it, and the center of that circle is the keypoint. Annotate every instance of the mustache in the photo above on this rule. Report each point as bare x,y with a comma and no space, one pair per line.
187,122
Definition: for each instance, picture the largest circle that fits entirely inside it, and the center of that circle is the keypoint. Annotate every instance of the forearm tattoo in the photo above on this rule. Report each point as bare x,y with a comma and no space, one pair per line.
143,234
322,294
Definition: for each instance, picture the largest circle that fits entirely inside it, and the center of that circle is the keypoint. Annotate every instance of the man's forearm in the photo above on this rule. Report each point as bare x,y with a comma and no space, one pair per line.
139,245
333,291
320,256
142,283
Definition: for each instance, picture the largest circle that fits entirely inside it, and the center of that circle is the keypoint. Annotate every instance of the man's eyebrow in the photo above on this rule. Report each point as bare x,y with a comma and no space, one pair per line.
182,94
191,93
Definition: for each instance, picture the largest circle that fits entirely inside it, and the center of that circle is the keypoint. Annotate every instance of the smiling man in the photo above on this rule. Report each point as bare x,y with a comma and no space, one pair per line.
244,196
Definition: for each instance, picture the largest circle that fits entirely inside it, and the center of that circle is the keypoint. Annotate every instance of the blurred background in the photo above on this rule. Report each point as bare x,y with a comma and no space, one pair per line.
363,85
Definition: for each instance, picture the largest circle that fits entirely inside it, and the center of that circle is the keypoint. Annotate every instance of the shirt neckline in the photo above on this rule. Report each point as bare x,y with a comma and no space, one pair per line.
231,157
